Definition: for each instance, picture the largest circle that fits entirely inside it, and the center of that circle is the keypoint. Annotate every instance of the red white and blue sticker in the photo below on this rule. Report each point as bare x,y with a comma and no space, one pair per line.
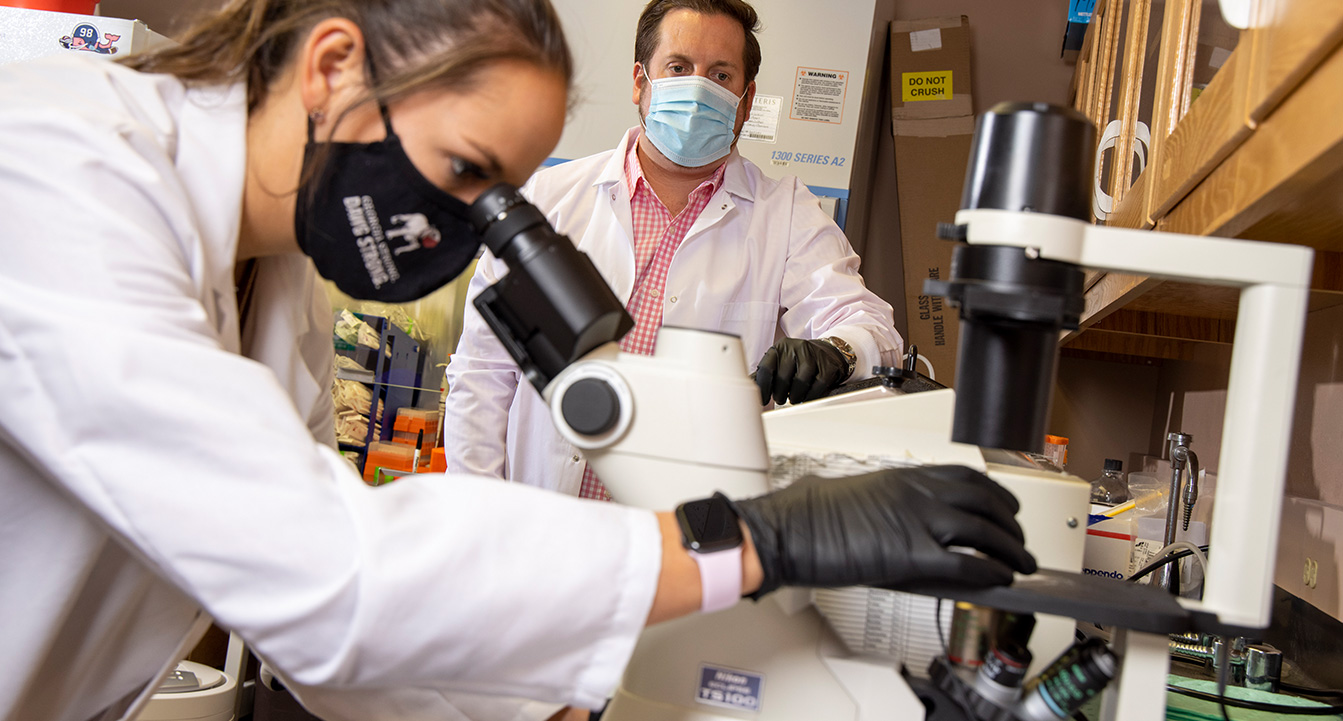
729,688
86,37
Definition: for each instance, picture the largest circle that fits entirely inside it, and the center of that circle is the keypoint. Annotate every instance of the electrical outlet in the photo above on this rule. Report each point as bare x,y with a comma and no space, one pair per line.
1311,574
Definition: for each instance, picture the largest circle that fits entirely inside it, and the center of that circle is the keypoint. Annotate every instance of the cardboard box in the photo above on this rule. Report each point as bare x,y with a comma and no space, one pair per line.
930,68
1109,548
933,121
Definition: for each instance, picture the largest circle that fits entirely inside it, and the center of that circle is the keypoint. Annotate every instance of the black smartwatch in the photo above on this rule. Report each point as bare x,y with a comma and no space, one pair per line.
712,534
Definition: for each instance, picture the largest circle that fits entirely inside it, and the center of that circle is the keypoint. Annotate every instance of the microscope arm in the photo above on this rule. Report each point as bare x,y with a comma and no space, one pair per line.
1024,216
1274,284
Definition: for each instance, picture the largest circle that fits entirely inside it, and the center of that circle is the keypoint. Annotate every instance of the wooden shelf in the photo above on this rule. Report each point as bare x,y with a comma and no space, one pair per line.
1178,313
1282,178
1275,174
1151,334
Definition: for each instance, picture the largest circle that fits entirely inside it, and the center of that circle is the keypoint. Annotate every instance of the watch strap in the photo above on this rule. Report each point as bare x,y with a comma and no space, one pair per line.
720,578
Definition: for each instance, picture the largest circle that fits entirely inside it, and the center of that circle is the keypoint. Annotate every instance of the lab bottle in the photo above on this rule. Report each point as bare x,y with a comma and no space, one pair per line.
1110,488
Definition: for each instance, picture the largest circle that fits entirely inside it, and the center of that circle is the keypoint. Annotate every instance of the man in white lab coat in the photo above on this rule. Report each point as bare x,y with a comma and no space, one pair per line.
688,233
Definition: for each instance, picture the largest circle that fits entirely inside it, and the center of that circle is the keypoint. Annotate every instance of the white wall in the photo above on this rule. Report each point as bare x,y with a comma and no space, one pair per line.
1312,522
1099,405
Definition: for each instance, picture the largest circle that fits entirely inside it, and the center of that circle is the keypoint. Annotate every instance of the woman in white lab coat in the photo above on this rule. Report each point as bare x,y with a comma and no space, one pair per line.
157,464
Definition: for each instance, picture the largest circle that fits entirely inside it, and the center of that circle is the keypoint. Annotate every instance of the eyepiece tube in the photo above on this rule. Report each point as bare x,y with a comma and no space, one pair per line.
553,307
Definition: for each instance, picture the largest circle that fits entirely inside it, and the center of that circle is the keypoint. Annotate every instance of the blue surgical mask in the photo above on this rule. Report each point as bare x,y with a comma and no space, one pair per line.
691,120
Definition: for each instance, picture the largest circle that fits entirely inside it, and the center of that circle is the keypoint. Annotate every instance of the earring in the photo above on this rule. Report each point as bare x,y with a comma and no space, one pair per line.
317,116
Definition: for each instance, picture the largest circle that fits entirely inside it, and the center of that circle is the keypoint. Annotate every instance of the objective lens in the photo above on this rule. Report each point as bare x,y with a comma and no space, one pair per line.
999,678
1080,673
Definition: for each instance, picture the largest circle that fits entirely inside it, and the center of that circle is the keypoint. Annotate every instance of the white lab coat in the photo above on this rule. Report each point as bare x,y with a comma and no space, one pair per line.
148,470
762,261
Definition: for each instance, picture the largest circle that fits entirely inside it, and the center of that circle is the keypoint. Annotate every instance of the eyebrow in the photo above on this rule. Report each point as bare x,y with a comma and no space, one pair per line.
491,162
678,58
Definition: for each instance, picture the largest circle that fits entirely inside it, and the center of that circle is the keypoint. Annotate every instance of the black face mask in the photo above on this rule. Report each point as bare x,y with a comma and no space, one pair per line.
376,227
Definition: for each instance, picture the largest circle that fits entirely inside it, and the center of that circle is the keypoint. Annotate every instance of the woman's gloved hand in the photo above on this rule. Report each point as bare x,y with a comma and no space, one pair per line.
890,528
799,370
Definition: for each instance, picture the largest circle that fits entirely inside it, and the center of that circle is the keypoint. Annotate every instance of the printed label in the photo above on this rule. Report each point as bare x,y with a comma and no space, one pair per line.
784,157
931,310
934,85
763,125
818,95
924,40
729,688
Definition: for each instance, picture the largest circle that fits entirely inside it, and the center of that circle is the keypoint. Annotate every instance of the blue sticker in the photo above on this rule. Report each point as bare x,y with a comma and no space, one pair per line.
1079,11
729,688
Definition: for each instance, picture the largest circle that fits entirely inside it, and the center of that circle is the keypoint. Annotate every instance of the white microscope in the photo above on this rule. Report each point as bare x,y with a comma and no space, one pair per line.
686,422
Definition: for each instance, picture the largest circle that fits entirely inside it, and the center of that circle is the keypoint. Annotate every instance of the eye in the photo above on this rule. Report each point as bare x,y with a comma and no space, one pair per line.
464,169
722,78
678,70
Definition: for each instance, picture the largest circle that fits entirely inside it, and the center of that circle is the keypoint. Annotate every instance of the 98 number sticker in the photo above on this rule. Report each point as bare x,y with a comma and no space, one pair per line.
86,37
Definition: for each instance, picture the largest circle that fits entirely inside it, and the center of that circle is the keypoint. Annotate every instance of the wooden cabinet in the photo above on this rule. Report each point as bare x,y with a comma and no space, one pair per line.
1257,153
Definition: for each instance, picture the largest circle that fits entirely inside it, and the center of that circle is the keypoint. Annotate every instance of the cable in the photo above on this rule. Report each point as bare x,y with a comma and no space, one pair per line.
1223,671
1258,706
937,615
1308,691
1186,545
1158,563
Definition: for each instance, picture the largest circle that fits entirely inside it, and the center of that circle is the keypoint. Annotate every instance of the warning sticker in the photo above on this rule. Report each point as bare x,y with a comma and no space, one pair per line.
729,688
818,95
763,125
935,85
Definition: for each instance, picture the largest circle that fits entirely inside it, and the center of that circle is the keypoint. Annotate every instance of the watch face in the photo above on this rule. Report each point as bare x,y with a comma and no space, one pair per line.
708,525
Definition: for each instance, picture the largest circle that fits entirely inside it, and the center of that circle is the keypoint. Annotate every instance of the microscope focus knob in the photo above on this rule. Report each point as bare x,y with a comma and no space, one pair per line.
590,406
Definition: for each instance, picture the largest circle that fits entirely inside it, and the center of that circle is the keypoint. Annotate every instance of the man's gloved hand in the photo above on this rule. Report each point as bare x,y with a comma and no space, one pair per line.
890,528
799,370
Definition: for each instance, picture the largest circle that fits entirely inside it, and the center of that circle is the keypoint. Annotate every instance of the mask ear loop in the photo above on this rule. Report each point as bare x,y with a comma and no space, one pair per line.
644,69
372,81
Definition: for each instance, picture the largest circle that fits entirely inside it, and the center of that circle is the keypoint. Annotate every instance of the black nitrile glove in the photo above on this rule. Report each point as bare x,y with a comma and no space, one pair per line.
889,528
799,370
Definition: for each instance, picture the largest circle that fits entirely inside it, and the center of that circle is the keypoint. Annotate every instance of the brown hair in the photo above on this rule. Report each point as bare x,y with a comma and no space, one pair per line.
647,35
413,44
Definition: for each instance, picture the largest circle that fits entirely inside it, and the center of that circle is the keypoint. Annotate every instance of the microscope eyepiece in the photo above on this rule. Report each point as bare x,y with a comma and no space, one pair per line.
500,214
492,203
553,306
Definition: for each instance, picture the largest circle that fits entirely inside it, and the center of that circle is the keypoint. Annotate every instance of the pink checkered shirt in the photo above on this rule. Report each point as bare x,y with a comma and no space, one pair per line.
657,235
